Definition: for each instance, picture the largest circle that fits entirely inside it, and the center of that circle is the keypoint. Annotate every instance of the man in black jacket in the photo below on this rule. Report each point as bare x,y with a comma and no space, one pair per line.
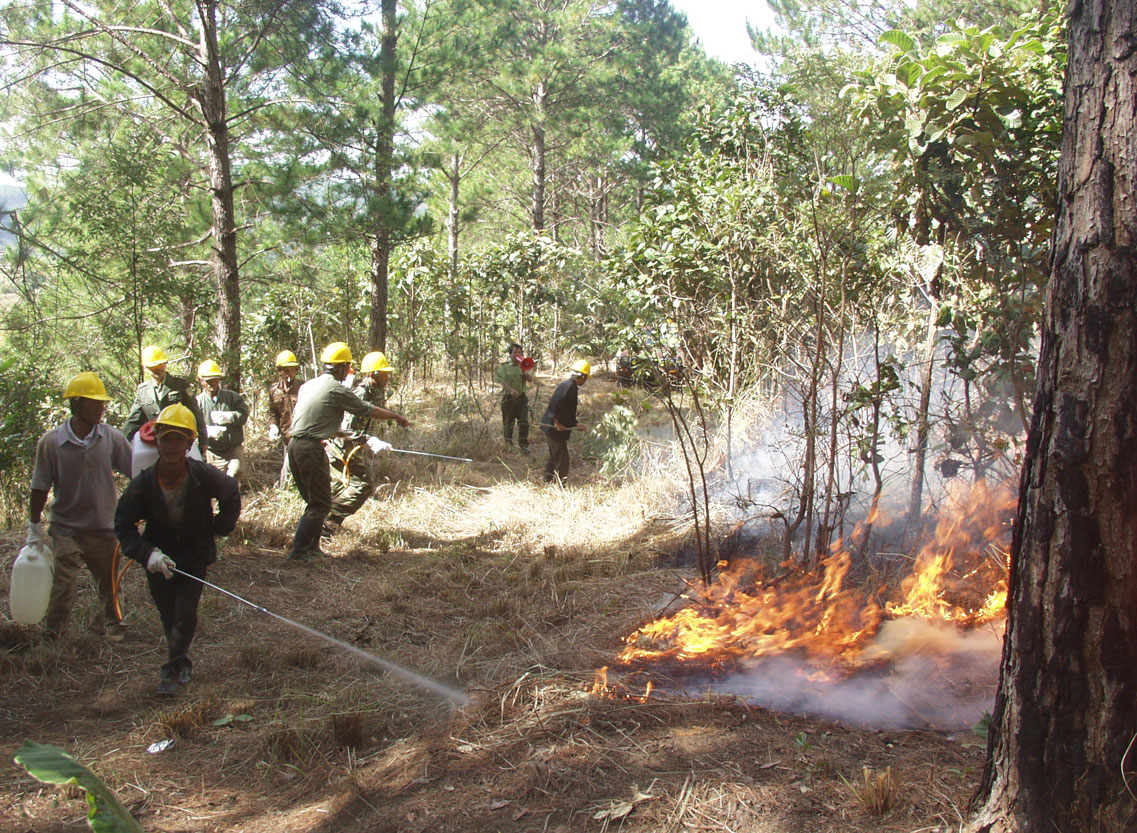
160,390
560,420
175,499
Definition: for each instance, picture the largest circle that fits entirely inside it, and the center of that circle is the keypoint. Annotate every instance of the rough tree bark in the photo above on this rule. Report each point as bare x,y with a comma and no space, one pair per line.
1066,712
381,242
209,96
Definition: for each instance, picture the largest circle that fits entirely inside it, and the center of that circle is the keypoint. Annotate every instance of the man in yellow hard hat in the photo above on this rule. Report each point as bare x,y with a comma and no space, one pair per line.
319,413
157,392
351,452
282,403
225,414
76,461
560,420
175,499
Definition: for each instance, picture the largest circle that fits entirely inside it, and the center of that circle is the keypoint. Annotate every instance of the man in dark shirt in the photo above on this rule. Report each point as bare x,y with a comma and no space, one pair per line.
319,413
174,498
560,420
282,404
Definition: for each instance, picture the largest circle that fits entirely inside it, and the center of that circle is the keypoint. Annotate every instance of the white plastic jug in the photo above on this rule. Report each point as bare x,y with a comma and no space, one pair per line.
31,583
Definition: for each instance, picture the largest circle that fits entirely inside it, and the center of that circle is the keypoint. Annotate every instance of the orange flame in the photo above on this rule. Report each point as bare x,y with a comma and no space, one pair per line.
744,615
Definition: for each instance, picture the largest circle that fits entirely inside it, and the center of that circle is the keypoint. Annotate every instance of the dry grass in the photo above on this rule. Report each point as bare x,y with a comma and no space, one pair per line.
877,792
184,720
483,578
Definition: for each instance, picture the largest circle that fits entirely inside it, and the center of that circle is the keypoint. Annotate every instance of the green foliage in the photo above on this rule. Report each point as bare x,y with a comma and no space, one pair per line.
50,764
971,126
613,441
29,405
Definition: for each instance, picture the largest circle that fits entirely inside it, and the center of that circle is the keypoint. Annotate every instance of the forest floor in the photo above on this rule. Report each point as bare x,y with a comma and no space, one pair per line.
512,593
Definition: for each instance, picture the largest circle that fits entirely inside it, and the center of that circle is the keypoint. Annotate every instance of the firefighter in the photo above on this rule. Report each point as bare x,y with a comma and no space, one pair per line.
514,402
319,413
174,498
351,454
560,420
159,391
282,403
76,461
225,414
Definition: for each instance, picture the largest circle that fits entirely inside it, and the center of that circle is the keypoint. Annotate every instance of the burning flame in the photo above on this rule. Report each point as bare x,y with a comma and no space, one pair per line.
959,576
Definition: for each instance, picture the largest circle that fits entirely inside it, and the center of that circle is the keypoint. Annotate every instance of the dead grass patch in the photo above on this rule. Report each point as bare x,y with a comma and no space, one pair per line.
184,721
877,791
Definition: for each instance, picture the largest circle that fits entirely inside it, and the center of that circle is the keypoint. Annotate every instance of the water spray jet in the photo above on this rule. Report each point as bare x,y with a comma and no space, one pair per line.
433,686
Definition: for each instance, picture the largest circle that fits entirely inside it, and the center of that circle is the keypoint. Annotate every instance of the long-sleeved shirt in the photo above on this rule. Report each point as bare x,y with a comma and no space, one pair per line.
190,543
321,405
562,407
282,405
151,398
232,433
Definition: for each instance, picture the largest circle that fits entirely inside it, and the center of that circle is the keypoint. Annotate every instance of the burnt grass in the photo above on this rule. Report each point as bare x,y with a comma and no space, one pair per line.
282,731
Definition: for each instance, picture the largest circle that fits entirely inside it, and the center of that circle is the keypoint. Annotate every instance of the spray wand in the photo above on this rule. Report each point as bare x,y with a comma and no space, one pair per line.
427,454
433,686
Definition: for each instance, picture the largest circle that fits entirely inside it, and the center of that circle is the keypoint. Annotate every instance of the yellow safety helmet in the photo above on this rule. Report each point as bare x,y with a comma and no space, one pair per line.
581,368
336,353
375,362
286,358
176,416
86,385
209,369
153,356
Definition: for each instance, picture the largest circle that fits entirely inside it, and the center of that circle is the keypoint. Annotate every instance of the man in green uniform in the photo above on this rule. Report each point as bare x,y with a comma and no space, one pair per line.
351,454
319,413
225,414
161,390
514,402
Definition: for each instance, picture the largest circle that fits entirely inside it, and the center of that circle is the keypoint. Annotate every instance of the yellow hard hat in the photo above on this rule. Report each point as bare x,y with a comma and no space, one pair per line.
176,416
374,362
582,368
153,356
336,353
86,385
209,369
286,358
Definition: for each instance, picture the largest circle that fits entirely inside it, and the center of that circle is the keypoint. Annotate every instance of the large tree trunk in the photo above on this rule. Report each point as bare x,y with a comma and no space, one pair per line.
384,160
1066,711
210,97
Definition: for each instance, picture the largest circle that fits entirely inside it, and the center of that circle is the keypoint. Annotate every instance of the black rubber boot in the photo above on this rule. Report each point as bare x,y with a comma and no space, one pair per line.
305,543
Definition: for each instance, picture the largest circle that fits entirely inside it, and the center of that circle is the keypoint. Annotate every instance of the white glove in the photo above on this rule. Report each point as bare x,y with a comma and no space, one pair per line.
222,417
159,562
214,431
36,534
274,432
377,445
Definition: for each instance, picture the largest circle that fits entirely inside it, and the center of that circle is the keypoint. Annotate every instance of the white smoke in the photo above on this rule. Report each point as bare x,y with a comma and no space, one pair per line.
914,675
